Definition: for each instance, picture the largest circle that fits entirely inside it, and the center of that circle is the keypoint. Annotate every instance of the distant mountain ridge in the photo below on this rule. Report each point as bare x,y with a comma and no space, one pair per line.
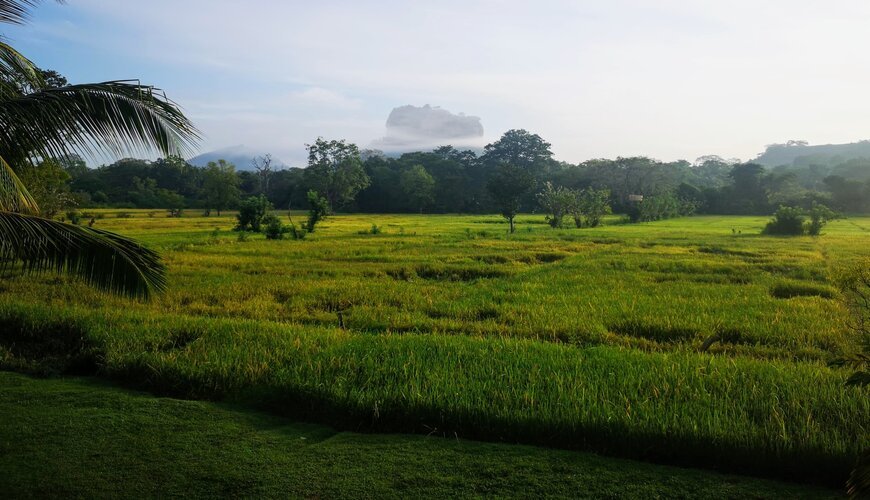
240,156
799,153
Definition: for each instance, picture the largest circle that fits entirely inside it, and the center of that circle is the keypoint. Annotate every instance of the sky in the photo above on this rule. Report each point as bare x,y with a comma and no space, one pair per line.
670,79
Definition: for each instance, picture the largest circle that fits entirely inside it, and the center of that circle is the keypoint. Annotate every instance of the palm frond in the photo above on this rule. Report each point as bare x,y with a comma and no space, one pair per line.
105,260
119,118
14,196
17,11
16,71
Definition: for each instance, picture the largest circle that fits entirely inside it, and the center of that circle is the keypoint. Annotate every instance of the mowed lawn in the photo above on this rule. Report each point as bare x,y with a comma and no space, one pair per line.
446,325
83,439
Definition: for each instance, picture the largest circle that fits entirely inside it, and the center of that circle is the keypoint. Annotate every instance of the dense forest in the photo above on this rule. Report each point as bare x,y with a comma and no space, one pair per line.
447,180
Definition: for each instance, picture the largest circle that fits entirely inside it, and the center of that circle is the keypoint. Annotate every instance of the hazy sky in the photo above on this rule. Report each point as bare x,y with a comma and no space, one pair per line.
665,78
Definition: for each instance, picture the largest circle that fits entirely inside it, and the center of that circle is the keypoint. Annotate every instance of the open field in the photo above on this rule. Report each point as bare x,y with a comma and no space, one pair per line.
584,339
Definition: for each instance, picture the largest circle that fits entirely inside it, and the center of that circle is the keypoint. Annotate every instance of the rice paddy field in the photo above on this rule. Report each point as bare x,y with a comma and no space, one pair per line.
691,342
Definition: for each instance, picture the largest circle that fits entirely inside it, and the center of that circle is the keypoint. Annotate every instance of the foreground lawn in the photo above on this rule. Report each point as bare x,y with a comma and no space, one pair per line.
82,438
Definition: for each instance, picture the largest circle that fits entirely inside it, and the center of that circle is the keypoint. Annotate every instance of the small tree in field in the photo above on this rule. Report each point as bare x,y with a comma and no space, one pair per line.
318,207
335,171
589,206
507,186
557,201
819,216
220,186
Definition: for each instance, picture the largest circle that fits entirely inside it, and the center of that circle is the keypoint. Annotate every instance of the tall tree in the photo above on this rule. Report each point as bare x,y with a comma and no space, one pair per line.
263,166
39,121
508,185
520,148
335,171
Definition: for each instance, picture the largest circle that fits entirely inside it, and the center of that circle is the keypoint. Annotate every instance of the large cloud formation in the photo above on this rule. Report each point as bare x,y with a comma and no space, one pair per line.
412,128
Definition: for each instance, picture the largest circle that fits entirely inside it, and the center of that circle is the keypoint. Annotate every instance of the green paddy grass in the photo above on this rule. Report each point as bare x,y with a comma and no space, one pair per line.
583,339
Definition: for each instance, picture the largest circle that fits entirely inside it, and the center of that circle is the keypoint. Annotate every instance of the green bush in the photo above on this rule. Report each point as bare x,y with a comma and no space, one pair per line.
252,211
792,221
787,221
297,233
74,217
274,229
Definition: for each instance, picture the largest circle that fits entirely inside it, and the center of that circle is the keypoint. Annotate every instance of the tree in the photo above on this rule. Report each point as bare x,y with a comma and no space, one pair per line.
335,171
263,166
48,184
318,207
520,148
220,186
418,187
38,121
507,186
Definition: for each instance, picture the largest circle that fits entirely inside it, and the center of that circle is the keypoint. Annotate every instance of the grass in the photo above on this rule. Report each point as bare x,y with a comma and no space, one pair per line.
585,339
86,439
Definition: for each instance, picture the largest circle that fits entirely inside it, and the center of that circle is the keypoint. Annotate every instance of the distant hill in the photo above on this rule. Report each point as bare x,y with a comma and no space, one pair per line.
799,153
240,156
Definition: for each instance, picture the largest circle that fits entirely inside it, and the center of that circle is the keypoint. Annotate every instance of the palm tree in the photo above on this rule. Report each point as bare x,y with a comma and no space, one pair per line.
38,121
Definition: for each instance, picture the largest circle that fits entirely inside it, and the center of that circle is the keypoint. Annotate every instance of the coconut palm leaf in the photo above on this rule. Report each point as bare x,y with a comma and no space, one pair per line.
14,196
17,71
112,118
119,118
105,260
17,11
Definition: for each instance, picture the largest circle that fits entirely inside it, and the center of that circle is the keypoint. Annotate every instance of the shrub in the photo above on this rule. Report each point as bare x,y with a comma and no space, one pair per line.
792,221
74,217
589,206
787,221
297,233
557,201
252,211
274,229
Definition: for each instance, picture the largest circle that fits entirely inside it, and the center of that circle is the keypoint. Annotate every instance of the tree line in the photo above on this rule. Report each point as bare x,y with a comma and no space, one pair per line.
516,173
